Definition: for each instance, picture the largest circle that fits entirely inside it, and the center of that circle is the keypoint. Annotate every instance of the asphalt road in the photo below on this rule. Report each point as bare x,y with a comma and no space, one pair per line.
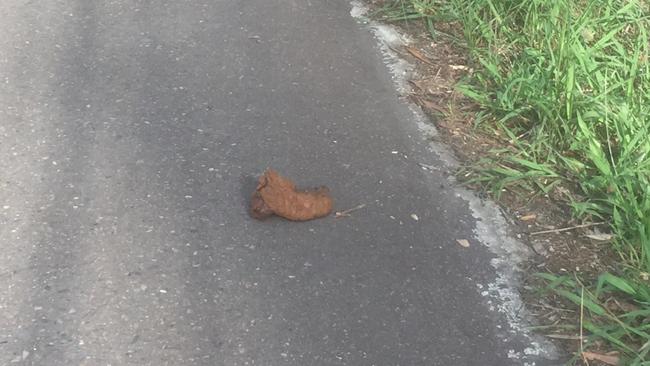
131,133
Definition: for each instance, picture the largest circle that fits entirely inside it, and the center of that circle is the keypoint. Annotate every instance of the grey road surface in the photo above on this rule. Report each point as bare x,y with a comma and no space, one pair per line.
131,133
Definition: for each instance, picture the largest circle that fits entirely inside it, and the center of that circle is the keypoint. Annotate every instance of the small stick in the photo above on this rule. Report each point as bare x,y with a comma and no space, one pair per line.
347,212
563,336
566,228
582,351
419,55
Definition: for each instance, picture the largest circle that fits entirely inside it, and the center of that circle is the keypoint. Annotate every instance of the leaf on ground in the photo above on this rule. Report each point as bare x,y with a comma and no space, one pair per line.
429,105
463,242
418,84
419,55
610,359
530,217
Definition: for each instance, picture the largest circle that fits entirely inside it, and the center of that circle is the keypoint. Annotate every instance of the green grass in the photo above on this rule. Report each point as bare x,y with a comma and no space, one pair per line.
626,331
567,83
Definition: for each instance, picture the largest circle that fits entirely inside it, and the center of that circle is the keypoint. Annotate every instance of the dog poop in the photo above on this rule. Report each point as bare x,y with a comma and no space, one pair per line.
277,195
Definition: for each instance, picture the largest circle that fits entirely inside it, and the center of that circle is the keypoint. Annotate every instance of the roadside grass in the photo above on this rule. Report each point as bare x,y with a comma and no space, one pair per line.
566,85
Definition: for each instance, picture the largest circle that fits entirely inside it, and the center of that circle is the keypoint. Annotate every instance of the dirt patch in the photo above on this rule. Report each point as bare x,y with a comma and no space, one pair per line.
542,222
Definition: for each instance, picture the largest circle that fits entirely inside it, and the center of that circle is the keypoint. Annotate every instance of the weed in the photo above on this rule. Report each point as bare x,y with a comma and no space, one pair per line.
567,84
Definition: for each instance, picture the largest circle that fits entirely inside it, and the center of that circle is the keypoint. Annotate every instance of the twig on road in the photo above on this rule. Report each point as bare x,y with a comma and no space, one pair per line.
346,213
